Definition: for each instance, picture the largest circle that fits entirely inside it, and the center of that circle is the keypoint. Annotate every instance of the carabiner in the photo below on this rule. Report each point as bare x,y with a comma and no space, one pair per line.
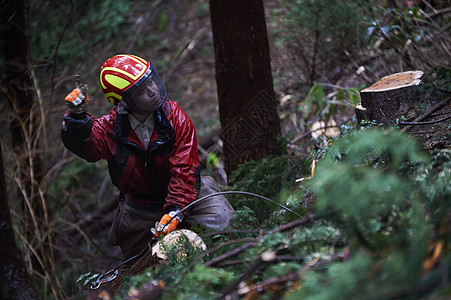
104,279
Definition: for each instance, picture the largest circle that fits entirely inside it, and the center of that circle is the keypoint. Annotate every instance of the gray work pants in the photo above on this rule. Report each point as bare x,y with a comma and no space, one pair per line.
131,227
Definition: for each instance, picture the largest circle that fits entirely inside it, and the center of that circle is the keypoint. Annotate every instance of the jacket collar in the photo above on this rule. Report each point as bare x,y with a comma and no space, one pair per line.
163,127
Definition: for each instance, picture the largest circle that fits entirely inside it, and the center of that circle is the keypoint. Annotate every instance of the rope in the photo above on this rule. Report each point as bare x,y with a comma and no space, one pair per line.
144,253
234,192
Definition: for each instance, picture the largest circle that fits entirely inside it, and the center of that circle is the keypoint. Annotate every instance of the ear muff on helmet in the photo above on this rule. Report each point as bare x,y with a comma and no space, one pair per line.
122,74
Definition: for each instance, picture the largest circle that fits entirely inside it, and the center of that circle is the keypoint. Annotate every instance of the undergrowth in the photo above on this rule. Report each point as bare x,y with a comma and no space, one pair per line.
376,208
377,229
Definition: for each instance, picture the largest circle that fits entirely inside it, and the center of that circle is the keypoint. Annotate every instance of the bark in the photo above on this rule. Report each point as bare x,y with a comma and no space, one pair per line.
390,98
16,77
415,103
17,89
15,282
247,105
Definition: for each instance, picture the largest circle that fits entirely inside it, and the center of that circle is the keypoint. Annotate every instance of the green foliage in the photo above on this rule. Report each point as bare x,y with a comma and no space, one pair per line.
203,10
110,14
76,173
352,94
291,200
308,241
280,270
49,30
361,188
436,84
404,29
342,281
434,180
245,216
318,32
212,161
180,253
316,19
163,21
273,240
377,195
369,157
201,283
379,202
316,93
75,177
325,106
267,177
399,27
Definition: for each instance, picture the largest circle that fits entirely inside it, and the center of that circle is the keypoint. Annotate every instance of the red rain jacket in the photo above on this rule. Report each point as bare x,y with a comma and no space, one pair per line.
164,177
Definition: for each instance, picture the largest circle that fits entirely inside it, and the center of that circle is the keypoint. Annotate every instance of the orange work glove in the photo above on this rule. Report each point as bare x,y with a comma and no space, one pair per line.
164,227
77,102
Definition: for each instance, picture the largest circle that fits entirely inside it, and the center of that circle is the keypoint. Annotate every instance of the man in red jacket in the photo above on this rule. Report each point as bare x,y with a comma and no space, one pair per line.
151,148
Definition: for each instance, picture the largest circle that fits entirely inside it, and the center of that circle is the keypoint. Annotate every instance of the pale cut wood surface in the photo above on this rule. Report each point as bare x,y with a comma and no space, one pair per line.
389,98
396,81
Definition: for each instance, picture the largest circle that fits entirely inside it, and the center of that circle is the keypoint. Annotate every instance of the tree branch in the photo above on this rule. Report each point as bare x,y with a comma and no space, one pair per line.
285,227
428,113
425,123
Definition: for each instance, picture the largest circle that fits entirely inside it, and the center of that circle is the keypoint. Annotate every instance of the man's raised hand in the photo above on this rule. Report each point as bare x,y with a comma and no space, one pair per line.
77,102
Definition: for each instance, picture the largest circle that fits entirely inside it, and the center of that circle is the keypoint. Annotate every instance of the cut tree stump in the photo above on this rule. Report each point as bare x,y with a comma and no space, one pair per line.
389,98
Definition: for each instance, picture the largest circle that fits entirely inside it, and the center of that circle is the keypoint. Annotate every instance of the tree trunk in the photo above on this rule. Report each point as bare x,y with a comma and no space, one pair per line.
18,90
15,282
14,51
247,105
390,98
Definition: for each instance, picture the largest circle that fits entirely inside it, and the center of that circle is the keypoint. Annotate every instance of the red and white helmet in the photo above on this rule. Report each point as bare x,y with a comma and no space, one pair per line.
122,74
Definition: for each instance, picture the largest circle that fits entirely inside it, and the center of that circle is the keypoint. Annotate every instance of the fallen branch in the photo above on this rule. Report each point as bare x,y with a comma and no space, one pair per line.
285,227
196,42
428,113
264,259
278,258
213,233
230,254
425,123
272,282
293,276
141,23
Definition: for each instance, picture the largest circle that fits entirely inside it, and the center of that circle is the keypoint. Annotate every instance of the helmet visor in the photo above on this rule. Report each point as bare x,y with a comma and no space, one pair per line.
148,95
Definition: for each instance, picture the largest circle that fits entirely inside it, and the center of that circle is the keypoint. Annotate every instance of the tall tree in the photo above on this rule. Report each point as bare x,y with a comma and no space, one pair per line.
17,89
16,77
247,105
15,282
